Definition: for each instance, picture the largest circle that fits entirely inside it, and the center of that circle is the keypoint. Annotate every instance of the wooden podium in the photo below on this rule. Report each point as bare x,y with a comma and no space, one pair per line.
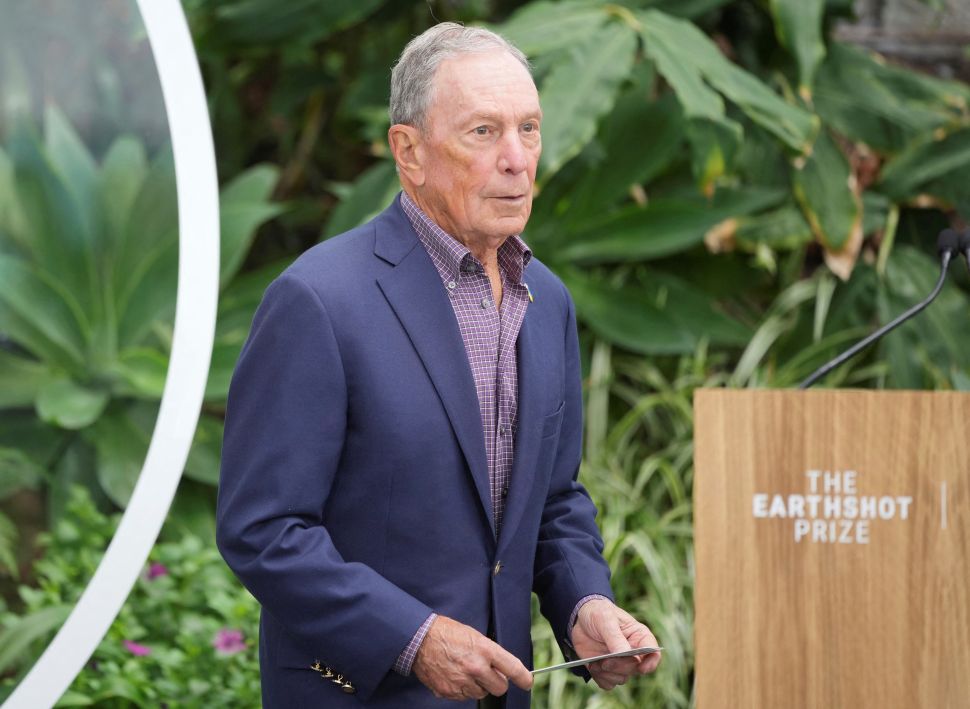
832,542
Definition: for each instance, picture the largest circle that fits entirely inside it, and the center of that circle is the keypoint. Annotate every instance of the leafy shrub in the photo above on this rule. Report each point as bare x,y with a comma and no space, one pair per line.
186,636
89,261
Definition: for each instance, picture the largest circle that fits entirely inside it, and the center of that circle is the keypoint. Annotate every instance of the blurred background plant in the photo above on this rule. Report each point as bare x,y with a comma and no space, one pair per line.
186,636
731,195
89,261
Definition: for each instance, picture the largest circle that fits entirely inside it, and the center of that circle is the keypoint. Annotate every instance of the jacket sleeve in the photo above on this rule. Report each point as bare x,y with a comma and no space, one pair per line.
285,427
569,561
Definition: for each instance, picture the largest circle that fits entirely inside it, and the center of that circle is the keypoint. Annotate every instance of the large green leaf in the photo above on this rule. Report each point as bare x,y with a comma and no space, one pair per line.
798,24
682,8
152,228
67,404
71,161
238,301
540,27
581,89
883,106
55,232
123,171
263,22
661,315
713,145
143,370
243,206
224,356
202,464
40,314
152,296
20,379
11,222
236,308
926,160
685,56
829,197
662,228
682,73
371,193
784,229
638,140
121,446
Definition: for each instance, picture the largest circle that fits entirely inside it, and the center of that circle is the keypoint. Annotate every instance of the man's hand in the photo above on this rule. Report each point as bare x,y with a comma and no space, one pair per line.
455,661
602,628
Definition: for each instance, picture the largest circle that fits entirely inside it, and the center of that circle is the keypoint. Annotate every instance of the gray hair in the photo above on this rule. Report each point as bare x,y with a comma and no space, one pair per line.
412,78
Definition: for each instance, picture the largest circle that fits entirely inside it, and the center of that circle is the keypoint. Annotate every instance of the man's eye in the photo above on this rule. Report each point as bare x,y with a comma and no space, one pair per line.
530,127
481,130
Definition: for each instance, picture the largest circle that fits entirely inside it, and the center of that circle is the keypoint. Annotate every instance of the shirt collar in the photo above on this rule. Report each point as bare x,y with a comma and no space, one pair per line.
451,256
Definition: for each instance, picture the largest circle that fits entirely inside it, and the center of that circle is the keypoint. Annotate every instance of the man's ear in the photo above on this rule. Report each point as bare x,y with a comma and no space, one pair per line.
406,144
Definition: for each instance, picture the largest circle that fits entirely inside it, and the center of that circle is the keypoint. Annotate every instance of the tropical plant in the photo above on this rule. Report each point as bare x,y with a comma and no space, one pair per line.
638,466
186,636
89,260
687,180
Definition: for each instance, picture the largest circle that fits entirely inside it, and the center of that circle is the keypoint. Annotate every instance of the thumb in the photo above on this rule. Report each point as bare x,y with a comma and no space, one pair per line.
613,637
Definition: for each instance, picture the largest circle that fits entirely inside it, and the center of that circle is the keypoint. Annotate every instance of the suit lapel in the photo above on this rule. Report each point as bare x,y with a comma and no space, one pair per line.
413,291
528,431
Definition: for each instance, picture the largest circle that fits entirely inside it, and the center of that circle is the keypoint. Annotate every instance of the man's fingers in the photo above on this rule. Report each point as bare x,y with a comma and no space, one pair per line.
620,665
613,637
511,667
649,663
492,681
601,671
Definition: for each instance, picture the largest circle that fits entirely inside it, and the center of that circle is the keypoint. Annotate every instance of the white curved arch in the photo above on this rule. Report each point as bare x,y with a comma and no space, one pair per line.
195,318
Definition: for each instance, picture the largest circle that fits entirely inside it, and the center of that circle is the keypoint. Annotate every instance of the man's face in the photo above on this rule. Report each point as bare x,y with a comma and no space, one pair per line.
481,148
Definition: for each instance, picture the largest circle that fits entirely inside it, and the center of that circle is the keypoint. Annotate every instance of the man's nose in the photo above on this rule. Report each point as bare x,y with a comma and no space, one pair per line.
514,157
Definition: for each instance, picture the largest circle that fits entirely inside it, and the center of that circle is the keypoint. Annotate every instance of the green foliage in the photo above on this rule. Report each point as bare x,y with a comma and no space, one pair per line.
89,259
798,25
638,466
175,640
717,176
630,90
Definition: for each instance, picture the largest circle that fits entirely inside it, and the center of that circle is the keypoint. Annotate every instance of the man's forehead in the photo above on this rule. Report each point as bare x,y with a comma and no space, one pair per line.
485,83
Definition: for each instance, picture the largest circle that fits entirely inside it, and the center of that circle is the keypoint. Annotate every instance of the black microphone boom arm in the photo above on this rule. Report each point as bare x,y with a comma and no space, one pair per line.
947,245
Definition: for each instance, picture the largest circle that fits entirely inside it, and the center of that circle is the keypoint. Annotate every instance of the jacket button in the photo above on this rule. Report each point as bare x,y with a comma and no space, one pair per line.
497,569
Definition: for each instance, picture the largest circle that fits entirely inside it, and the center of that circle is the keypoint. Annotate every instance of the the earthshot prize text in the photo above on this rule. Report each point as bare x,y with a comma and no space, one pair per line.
832,512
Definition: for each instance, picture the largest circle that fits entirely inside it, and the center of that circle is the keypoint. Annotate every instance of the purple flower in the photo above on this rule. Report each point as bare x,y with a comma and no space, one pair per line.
155,570
228,642
136,649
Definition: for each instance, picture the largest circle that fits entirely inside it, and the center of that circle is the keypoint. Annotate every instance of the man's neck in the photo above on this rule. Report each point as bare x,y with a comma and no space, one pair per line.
485,251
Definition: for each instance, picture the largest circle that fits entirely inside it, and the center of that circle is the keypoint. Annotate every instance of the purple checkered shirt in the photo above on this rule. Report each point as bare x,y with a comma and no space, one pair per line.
489,335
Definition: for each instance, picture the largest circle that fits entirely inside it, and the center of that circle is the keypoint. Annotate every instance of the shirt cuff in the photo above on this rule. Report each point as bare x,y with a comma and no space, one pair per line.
574,616
404,661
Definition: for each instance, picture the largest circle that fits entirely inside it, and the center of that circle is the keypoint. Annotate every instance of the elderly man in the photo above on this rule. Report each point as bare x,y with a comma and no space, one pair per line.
404,425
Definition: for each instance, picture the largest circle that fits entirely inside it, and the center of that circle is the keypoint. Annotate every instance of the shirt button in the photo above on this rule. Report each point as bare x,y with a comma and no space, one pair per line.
497,569
486,302
505,491
452,285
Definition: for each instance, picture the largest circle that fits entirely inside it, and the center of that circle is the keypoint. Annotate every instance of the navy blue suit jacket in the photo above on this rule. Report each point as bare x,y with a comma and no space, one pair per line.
354,496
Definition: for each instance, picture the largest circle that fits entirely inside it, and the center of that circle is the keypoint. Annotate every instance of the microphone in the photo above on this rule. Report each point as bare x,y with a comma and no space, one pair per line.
963,244
948,243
